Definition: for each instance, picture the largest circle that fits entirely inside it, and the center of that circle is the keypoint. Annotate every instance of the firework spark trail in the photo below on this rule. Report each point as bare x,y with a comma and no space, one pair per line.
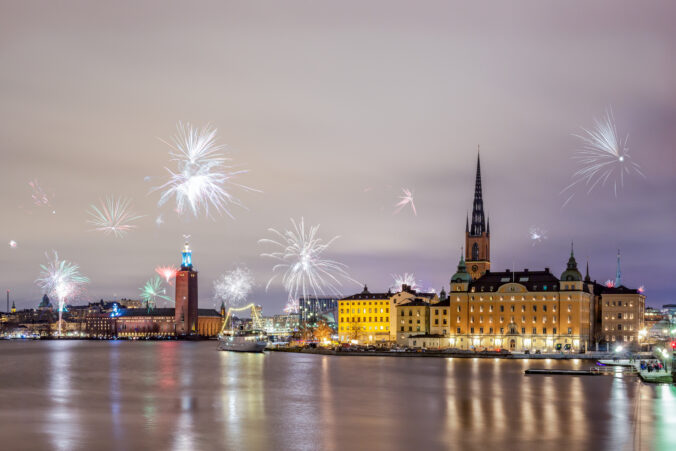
202,175
168,273
60,278
405,199
603,158
113,216
404,279
304,270
537,235
234,286
153,291
40,198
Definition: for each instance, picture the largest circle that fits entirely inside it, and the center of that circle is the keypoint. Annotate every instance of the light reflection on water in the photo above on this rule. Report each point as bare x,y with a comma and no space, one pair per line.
172,395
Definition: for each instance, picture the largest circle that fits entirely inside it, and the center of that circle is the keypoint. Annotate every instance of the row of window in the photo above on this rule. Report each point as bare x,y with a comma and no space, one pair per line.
534,330
363,310
502,319
358,319
621,316
621,327
364,303
375,328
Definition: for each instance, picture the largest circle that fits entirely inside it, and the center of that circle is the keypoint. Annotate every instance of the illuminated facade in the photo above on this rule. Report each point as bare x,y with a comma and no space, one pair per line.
368,318
365,317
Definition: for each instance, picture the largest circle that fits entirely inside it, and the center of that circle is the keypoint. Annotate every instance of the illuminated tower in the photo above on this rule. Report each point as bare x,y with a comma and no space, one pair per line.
185,318
478,236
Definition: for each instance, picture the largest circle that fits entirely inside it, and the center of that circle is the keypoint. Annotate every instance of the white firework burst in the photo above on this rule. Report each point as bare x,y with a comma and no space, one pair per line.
404,279
537,235
406,198
202,178
603,159
13,244
60,279
113,216
305,272
234,286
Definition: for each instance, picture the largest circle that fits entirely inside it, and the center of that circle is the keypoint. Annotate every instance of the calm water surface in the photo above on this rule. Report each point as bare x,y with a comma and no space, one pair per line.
84,395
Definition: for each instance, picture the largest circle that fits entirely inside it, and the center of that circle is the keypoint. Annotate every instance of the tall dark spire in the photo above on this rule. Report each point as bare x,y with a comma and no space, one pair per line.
478,220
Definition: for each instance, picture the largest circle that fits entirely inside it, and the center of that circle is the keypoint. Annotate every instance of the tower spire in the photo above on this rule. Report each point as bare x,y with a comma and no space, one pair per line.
478,221
618,274
586,275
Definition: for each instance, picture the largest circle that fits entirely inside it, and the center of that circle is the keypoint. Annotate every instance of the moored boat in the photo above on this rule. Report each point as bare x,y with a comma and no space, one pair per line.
243,341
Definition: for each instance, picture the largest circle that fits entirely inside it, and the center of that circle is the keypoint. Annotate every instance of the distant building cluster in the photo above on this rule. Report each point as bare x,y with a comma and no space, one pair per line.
521,311
133,319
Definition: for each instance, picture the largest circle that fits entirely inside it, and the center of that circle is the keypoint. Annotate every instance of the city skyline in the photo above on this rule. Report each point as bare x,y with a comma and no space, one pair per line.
336,146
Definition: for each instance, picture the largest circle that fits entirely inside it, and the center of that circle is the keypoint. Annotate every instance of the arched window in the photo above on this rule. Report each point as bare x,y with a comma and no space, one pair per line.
475,251
619,327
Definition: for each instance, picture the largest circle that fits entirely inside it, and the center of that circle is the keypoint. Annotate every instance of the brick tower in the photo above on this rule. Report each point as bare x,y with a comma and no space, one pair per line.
478,236
185,318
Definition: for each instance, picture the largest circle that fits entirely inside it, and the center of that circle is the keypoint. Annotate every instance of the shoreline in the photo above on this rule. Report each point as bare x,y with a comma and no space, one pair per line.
442,354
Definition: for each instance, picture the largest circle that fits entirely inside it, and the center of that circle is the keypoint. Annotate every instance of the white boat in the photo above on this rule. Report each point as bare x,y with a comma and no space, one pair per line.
243,341
617,362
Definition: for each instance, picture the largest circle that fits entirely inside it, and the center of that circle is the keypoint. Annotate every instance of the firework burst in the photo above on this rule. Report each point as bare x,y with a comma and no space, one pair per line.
168,273
305,272
202,179
406,198
404,279
153,291
113,216
13,244
234,286
609,283
60,279
537,235
603,159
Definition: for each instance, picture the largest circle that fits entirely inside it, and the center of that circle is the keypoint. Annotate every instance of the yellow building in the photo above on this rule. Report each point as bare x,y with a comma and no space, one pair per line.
365,317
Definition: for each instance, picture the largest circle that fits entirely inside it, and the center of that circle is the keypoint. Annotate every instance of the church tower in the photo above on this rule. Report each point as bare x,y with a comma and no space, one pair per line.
185,317
478,236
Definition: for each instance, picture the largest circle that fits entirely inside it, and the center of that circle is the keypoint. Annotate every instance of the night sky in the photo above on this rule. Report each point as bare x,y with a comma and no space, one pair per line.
334,108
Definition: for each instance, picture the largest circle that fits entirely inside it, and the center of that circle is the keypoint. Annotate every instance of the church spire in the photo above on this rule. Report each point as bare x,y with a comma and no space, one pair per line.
586,275
478,221
618,274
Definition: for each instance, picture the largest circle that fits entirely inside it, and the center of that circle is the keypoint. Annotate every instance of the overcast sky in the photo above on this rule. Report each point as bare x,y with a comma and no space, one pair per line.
334,107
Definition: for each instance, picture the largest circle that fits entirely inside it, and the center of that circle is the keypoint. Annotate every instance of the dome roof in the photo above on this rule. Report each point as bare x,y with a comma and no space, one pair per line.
461,275
571,273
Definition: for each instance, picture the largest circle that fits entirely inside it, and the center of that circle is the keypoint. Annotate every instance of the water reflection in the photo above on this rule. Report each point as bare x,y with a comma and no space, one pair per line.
62,418
172,395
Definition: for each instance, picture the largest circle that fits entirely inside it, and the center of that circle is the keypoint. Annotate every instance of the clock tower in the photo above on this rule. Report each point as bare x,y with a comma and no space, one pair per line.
478,235
185,319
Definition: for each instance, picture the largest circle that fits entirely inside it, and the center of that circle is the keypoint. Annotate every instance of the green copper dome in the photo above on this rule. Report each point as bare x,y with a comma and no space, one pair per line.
461,276
571,273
